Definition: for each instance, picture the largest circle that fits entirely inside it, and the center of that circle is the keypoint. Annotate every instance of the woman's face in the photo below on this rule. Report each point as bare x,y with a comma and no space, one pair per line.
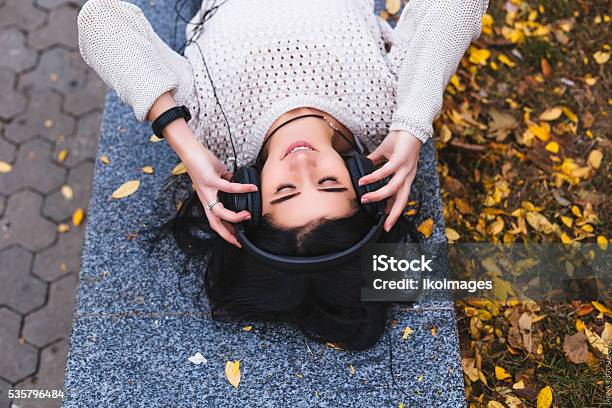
303,178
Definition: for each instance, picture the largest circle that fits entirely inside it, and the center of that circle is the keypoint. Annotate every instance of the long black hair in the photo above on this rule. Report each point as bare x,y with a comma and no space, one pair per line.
325,305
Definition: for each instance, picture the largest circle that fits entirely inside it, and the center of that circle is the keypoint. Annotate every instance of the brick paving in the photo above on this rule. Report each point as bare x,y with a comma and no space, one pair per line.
50,103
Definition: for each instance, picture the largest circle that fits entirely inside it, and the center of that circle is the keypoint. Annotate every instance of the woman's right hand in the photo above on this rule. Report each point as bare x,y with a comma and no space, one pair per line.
209,176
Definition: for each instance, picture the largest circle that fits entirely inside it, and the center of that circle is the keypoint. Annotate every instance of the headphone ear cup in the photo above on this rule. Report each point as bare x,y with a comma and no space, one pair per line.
359,166
245,201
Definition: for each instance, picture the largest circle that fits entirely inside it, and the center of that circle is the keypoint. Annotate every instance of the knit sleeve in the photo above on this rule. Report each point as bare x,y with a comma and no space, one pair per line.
430,38
119,43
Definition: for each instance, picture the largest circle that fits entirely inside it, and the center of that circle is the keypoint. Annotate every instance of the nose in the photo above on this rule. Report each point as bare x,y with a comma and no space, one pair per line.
303,160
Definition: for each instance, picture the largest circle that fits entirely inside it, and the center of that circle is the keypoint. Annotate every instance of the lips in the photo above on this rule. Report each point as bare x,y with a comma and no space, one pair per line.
300,145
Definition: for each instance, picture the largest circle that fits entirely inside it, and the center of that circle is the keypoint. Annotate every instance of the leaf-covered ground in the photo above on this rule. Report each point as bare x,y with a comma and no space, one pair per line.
524,147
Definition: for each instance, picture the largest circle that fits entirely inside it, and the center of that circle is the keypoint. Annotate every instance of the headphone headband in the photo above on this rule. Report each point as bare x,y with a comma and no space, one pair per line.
313,263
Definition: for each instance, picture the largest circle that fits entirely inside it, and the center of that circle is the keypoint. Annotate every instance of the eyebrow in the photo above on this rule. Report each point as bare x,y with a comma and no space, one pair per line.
290,196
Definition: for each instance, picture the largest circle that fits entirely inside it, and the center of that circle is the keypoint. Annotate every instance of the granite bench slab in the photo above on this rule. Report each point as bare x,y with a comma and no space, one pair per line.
134,330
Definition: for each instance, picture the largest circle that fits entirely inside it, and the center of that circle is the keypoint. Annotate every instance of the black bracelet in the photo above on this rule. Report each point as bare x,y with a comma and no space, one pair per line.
168,117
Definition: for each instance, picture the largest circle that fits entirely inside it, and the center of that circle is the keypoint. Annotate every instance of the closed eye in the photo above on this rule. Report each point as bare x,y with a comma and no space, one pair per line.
284,186
328,178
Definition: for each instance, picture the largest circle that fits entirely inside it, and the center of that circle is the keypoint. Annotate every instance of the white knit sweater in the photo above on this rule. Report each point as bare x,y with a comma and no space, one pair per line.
268,57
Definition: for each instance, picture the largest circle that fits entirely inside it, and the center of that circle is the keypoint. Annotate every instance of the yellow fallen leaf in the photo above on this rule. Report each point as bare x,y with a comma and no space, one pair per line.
393,6
407,332
155,139
501,373
576,211
596,342
601,57
445,134
606,334
487,24
478,56
565,238
545,397
496,227
426,227
179,169
104,159
541,131
595,158
539,222
434,331
552,147
126,189
568,221
77,216
67,192
570,115
602,241
247,328
61,156
147,169
519,385
551,114
232,372
506,61
579,325
5,167
602,308
62,227
495,404
451,234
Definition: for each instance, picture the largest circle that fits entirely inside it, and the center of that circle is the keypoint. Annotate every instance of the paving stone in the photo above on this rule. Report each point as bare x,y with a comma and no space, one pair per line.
61,29
24,292
56,70
50,376
42,117
59,207
21,13
16,56
53,322
11,102
62,258
18,360
87,98
22,223
84,143
4,388
49,4
2,206
7,151
34,169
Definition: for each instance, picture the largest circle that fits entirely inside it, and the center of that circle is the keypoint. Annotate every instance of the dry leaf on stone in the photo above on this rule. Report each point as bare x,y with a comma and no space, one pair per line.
77,217
426,227
179,169
5,167
126,189
232,372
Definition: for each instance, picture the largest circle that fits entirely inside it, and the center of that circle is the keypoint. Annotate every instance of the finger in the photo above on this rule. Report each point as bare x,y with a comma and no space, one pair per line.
376,156
223,213
387,169
398,206
386,191
222,230
230,187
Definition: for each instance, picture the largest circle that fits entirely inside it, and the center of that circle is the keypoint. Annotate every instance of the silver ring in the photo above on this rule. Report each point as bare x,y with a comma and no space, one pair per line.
212,204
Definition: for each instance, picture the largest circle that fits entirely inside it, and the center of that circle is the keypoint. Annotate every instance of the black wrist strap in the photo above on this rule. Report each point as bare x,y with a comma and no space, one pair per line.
168,117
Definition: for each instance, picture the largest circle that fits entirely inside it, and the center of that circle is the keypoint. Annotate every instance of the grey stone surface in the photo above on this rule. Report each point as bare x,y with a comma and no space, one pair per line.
83,144
53,322
25,293
22,223
11,101
60,30
134,331
49,4
62,258
55,70
4,388
88,98
42,118
15,55
7,151
23,356
50,376
22,14
33,169
60,208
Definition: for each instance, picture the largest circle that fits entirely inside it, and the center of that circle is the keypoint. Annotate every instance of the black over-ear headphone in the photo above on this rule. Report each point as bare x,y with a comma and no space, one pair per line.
358,166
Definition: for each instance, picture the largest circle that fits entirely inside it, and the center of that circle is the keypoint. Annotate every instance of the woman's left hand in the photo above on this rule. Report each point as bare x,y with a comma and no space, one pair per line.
401,149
